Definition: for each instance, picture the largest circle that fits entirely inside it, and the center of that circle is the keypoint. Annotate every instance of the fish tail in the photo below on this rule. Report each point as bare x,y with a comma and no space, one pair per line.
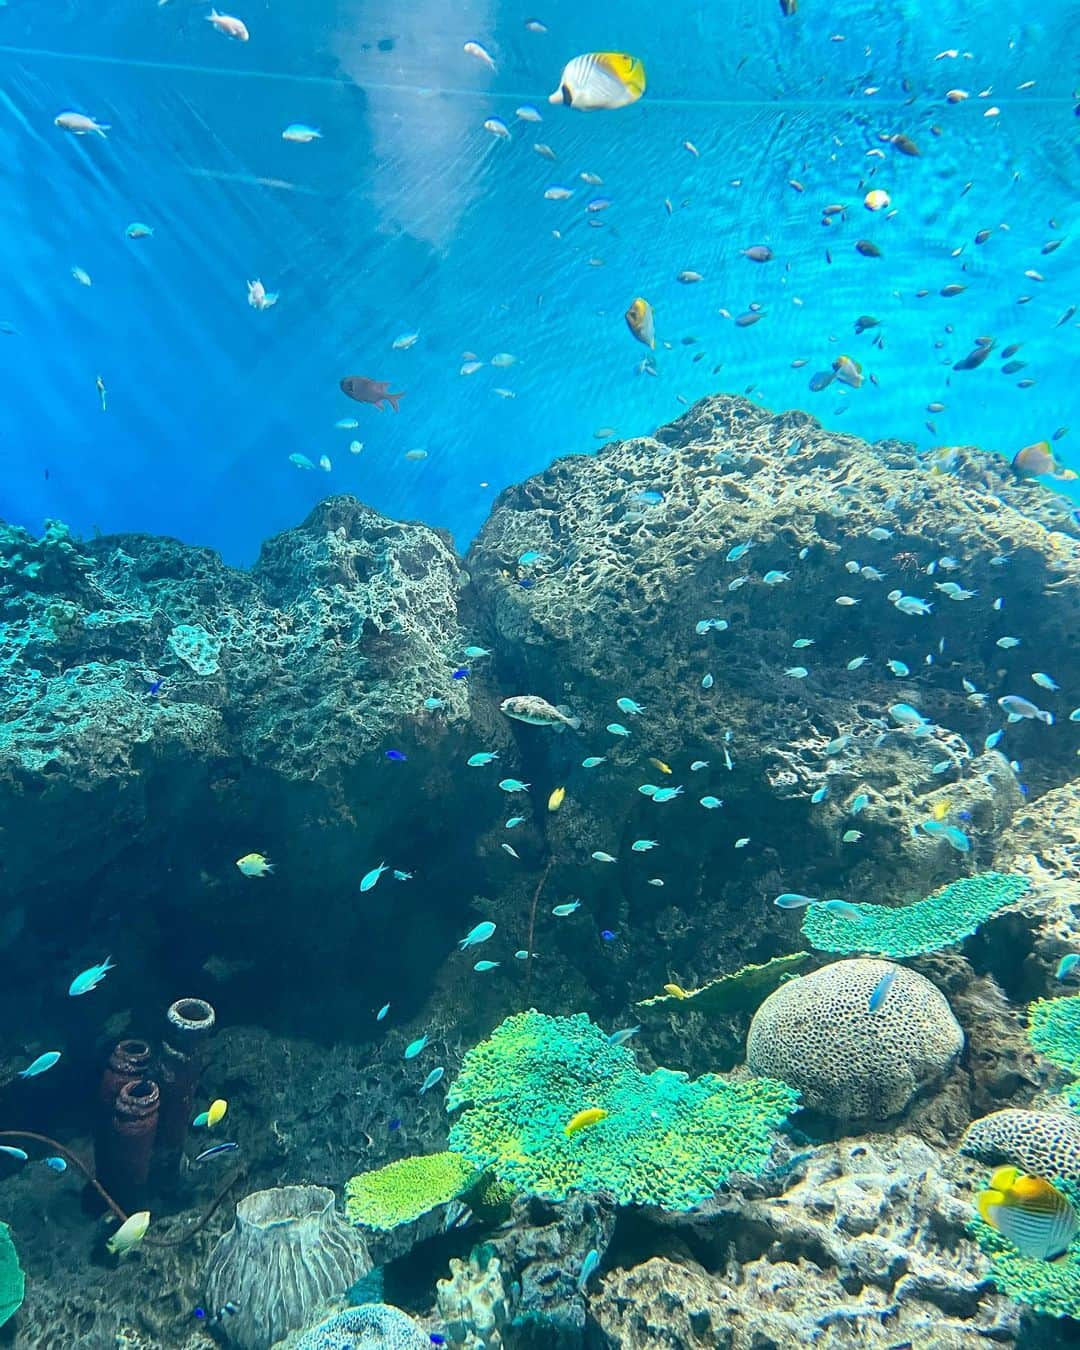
393,400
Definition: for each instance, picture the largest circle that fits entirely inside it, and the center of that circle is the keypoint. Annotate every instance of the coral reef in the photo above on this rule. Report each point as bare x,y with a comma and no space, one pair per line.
374,1326
473,1302
286,1255
740,991
941,920
1046,1143
401,1191
663,1140
818,1034
1054,1031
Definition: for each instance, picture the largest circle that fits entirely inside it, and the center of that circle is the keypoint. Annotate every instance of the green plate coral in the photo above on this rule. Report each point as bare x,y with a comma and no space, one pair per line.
402,1191
741,991
1049,1287
941,920
665,1141
12,1280
1054,1031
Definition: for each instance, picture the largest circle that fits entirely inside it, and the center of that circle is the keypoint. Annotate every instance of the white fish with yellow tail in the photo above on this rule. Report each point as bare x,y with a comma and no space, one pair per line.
639,319
130,1233
1033,1214
600,80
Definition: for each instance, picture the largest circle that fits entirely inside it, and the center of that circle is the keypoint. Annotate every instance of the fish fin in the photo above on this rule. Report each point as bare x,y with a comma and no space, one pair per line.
987,1202
572,721
1003,1178
393,400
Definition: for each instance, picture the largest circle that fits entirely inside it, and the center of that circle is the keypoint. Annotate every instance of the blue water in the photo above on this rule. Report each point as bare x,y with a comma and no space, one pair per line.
408,216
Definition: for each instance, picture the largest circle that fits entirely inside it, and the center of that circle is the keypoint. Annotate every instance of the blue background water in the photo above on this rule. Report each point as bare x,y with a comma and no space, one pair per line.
408,216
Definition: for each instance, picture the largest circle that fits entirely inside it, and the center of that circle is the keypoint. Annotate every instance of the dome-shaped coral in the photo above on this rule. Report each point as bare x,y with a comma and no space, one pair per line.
1044,1142
819,1035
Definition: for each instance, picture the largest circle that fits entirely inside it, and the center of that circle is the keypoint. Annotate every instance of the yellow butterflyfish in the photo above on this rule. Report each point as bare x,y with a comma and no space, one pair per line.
600,80
1037,1218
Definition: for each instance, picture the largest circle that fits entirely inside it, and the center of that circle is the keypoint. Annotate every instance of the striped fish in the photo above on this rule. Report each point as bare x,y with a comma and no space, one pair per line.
600,80
1031,1212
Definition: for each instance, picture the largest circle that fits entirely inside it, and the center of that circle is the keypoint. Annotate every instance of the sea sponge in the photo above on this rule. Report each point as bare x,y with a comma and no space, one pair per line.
741,990
401,1191
1049,1287
948,916
196,647
817,1033
665,1140
1042,1142
374,1326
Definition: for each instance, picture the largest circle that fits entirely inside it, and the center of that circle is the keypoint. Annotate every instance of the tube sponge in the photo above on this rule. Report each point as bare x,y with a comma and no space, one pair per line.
401,1191
941,920
664,1141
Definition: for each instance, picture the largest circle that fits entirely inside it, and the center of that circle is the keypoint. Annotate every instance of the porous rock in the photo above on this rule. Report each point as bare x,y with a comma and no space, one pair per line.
817,1033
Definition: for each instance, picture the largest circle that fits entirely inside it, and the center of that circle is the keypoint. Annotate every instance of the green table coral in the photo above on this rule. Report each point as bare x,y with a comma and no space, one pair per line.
665,1141
741,991
941,920
12,1279
402,1191
1054,1031
1049,1287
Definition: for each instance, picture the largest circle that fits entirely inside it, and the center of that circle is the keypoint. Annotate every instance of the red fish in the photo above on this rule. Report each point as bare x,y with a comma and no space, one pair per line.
375,392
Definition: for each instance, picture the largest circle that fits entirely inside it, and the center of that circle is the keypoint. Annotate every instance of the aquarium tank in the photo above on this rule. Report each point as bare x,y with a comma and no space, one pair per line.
539,682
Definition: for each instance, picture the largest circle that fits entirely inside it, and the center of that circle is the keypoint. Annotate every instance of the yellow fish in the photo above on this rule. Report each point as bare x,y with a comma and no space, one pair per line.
254,865
639,319
583,1119
659,764
1038,460
676,991
556,799
941,809
600,80
130,1233
216,1112
1032,1213
848,371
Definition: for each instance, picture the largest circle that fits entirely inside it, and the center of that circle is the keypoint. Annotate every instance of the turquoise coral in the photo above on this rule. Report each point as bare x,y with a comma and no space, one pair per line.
941,920
666,1141
1048,1287
403,1190
1054,1031
12,1280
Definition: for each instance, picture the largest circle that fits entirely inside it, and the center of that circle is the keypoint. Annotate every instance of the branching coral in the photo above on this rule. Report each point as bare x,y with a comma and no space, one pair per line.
402,1191
941,920
1054,1031
1049,1287
664,1141
740,991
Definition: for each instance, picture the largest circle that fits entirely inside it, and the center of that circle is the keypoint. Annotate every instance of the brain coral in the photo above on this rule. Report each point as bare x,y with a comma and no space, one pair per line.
942,919
818,1034
1042,1142
374,1326
665,1140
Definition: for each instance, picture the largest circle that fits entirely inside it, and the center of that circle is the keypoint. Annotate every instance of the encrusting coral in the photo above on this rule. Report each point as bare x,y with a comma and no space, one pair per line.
403,1190
1054,1031
819,1034
664,1140
1045,1143
948,916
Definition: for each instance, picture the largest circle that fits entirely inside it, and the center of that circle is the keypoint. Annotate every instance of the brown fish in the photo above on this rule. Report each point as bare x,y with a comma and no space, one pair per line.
906,145
759,253
375,392
1038,460
974,358
868,249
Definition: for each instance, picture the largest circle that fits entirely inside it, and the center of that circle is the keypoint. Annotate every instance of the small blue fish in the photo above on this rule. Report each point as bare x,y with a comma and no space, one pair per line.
216,1151
942,766
792,900
643,845
431,704
592,761
588,1269
1045,681
843,910
707,681
521,955
851,836
627,705
1066,965
369,879
394,1124
648,789
402,876
797,672
482,967
476,935
800,643
739,551
90,978
481,758
462,673
881,989
529,558
711,803
698,765
56,1164
561,911
704,626
201,1121
856,662
154,687
436,1339
514,785
20,1155
608,935
819,795
861,802
621,1037
526,583
898,668
993,740
514,822
617,729
650,498
775,578
40,1065
415,1047
666,794
398,756
475,653
381,1014
957,839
